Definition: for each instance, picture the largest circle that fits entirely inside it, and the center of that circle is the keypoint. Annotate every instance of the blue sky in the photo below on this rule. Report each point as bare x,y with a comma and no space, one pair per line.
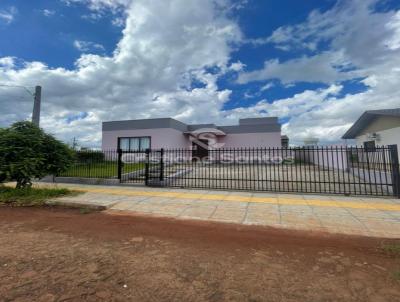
48,37
316,64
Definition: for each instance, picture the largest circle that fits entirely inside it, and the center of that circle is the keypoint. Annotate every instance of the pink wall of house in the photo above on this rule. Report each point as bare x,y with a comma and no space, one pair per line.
237,140
167,138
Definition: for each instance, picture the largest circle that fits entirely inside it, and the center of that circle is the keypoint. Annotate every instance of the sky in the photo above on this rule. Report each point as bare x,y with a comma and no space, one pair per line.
317,64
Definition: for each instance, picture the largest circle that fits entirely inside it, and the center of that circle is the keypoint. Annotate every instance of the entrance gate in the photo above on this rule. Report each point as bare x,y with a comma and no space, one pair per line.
141,167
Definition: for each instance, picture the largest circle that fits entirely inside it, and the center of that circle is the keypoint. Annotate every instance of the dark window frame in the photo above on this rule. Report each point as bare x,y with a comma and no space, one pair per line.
140,142
369,146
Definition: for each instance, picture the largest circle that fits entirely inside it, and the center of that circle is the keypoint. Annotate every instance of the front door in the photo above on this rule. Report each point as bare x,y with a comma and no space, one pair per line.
200,149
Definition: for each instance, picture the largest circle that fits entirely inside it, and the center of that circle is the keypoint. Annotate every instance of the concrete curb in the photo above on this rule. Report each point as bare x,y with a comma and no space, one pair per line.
78,204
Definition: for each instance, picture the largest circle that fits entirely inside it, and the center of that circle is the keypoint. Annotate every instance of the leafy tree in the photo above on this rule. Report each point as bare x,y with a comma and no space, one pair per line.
27,152
2,163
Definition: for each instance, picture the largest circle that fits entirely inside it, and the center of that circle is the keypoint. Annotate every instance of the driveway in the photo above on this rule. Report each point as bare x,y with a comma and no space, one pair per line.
278,178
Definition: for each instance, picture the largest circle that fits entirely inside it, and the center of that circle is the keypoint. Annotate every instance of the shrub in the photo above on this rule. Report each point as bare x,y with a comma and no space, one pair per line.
27,152
89,156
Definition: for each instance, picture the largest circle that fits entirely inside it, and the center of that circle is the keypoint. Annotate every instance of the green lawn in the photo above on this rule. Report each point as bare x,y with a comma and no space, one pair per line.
100,170
30,196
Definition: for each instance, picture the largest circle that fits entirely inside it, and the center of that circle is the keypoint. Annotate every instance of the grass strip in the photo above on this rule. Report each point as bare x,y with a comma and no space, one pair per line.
30,196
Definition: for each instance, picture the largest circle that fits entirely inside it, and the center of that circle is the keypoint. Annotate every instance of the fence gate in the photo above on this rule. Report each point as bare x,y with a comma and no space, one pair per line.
132,166
145,167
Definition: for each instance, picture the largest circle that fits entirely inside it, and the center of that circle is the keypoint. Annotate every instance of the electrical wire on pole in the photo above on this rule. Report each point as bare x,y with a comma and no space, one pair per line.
37,99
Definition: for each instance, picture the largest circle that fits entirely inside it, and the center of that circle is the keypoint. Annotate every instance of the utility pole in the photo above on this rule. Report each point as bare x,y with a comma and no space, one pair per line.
36,105
74,144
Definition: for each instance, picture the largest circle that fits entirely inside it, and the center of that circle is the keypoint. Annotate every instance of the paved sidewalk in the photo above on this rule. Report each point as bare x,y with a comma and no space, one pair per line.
378,217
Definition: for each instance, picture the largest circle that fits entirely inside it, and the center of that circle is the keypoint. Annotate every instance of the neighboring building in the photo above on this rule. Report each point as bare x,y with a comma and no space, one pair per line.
376,127
285,141
311,141
171,134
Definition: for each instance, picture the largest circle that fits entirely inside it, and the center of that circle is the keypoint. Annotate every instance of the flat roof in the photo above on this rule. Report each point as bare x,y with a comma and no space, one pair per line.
248,125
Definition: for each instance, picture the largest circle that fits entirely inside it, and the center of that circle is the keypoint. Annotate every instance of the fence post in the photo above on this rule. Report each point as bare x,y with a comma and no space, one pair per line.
162,164
119,164
395,170
146,167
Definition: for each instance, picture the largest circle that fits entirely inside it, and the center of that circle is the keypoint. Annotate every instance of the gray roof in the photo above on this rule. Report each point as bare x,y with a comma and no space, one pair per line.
258,121
366,118
249,125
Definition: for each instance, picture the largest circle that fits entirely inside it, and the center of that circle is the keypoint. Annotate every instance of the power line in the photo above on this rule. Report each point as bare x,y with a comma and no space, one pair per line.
37,96
9,96
19,86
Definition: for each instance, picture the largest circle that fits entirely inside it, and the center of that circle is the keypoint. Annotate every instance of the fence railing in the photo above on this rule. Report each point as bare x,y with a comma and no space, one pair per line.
332,170
93,164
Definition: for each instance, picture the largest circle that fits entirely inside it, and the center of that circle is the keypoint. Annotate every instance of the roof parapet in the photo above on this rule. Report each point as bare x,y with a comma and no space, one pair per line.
258,121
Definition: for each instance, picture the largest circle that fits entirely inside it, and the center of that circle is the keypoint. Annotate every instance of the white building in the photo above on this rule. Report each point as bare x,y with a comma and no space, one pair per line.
376,128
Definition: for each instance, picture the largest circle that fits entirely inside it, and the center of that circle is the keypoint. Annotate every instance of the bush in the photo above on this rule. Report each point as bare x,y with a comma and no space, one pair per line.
89,156
27,152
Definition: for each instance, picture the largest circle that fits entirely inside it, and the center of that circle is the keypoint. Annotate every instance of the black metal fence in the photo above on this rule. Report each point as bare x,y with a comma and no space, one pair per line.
330,170
110,164
93,164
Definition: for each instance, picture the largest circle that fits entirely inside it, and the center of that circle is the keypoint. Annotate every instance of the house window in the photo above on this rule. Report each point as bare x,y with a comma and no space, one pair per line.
134,143
369,146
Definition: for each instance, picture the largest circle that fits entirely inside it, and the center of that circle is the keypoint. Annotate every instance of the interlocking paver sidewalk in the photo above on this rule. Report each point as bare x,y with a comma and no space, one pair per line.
379,217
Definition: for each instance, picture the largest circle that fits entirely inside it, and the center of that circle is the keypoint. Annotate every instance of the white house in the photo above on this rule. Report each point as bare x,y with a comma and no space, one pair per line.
376,127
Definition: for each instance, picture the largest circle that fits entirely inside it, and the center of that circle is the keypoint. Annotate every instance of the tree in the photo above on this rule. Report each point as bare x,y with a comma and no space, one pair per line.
27,152
3,176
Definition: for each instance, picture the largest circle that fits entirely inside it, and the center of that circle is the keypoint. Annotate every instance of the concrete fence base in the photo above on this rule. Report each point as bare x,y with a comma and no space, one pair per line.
167,180
81,180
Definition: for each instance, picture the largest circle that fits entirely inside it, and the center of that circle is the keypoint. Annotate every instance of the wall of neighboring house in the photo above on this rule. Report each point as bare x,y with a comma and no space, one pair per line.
388,130
167,138
386,137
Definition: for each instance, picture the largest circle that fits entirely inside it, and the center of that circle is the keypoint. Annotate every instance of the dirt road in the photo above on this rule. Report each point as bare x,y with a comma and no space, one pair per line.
64,255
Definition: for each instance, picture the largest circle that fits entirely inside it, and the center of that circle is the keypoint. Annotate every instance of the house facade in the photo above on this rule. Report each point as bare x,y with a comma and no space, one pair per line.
168,133
376,128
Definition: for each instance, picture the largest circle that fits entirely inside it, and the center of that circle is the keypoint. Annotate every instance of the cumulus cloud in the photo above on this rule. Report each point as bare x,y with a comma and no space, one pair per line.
356,40
267,86
326,67
149,74
97,5
7,15
87,46
7,62
349,41
101,8
48,12
166,46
